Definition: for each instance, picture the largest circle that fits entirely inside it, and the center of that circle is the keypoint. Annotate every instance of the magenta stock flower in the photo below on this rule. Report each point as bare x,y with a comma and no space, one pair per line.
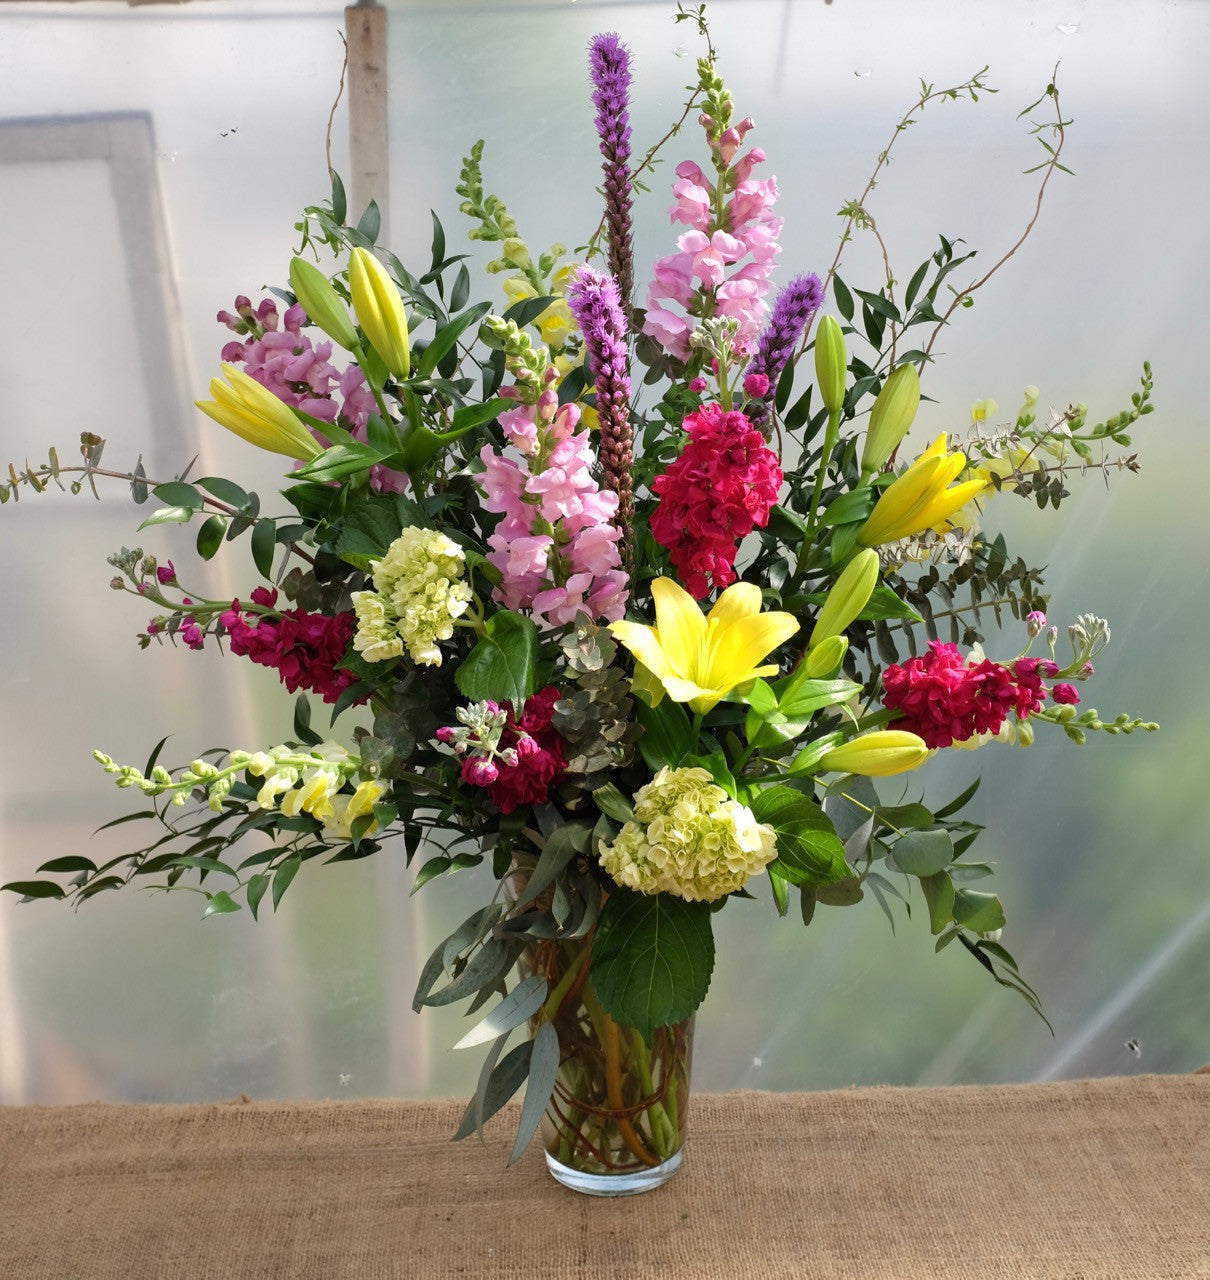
722,486
303,648
946,698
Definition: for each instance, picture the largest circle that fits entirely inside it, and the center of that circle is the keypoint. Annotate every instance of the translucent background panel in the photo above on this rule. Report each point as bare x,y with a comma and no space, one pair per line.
186,140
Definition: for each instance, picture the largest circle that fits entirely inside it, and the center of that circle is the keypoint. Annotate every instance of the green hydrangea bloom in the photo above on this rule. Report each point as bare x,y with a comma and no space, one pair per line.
688,838
418,594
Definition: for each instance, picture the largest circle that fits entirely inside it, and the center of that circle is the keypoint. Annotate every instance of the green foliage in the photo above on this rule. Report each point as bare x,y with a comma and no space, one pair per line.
652,959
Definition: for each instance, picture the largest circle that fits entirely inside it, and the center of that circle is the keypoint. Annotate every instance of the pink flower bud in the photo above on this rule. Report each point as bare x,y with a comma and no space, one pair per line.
729,143
479,772
698,386
756,386
1065,694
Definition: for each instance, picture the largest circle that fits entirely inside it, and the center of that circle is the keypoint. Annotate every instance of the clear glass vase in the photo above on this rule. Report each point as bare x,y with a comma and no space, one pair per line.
615,1124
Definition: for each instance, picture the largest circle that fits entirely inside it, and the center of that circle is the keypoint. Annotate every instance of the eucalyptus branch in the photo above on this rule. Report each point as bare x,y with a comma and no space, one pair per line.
854,211
91,446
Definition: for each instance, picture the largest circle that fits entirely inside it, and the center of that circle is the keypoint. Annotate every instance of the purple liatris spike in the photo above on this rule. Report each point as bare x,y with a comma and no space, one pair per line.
794,306
610,62
597,308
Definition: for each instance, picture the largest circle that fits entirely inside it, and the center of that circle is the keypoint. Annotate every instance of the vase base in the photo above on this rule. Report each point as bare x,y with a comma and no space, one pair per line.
614,1184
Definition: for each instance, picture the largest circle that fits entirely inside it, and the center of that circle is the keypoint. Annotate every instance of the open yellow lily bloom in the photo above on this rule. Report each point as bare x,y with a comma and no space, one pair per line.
254,413
699,658
921,498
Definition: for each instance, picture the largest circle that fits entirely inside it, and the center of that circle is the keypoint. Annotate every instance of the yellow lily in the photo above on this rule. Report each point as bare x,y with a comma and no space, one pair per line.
892,415
849,595
699,658
379,310
831,363
877,755
321,302
253,412
921,497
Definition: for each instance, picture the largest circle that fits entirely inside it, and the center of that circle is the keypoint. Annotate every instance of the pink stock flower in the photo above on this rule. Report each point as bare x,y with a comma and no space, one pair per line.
1065,695
301,374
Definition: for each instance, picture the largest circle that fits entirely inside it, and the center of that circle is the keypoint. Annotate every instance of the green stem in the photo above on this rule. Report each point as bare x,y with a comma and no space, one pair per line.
551,1008
829,443
663,1134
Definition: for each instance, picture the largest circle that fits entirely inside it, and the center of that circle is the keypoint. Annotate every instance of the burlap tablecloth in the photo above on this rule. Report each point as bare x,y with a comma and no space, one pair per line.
1096,1178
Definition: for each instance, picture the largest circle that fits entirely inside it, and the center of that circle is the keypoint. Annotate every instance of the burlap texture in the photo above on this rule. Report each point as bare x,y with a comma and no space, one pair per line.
1100,1178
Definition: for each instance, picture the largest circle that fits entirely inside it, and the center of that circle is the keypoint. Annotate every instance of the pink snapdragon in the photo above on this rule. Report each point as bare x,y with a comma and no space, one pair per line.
723,262
283,359
556,543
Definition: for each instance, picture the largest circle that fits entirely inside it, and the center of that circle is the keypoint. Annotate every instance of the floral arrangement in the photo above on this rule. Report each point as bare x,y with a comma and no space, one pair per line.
632,599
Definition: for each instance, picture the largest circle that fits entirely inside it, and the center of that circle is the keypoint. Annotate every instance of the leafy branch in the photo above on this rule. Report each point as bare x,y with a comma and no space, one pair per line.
1057,130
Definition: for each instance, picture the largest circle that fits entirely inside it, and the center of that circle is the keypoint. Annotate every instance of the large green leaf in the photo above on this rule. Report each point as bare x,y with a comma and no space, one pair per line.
809,852
501,666
652,958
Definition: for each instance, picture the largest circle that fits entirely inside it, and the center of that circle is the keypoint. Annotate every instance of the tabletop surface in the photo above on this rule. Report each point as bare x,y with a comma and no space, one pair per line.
1079,1179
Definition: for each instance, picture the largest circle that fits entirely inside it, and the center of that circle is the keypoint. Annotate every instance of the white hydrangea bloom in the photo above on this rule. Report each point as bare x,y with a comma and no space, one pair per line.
688,838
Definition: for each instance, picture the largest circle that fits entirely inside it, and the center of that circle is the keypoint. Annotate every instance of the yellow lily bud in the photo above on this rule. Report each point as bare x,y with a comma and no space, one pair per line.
321,302
831,362
826,658
892,415
921,497
253,412
380,311
849,595
877,755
